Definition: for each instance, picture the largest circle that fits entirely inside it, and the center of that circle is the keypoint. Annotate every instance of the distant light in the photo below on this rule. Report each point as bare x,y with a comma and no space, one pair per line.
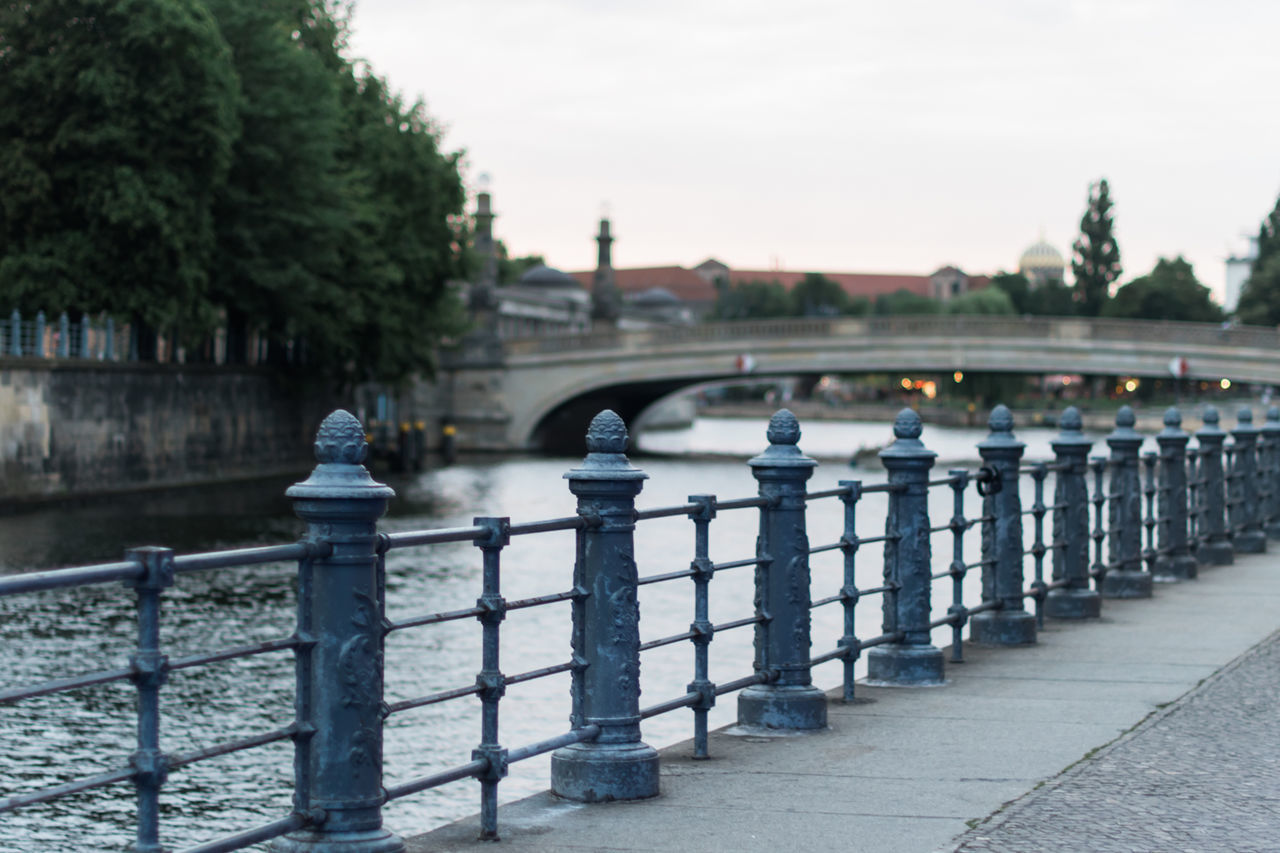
1066,380
906,383
1131,385
931,389
958,376
1225,384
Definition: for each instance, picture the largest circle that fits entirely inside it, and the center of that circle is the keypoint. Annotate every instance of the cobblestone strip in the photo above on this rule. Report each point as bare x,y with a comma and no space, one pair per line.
1201,775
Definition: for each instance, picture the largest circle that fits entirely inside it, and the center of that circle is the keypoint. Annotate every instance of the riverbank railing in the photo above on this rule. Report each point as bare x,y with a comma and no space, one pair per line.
1155,517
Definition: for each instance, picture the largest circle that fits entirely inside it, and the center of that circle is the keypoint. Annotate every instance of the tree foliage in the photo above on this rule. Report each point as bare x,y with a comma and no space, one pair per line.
753,299
1095,260
1260,298
905,302
1169,292
815,295
171,161
987,300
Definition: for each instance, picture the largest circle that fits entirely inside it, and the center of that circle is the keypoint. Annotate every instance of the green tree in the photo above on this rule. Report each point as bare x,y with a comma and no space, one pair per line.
987,300
815,295
905,302
1051,299
1260,298
1016,287
510,269
1095,259
118,119
1168,292
754,299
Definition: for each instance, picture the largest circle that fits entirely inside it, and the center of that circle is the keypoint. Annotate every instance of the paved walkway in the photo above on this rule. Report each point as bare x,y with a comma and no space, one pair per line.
1163,749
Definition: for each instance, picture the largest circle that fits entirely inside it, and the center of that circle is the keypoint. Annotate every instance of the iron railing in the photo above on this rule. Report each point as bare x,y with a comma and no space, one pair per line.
1156,515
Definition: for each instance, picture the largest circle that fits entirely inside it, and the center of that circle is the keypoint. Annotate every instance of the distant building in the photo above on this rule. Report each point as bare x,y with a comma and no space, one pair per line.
1042,264
1239,268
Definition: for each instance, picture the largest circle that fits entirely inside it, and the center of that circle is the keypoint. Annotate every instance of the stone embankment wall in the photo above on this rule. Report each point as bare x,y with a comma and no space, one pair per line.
70,429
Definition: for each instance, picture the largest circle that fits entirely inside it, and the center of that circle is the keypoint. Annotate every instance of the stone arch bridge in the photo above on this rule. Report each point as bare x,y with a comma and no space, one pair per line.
537,389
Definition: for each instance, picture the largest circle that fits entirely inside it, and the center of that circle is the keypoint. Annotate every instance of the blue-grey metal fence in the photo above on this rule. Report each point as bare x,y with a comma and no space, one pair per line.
1153,515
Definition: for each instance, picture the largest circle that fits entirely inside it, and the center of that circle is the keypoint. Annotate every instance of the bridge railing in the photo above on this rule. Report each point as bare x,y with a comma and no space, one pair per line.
1198,508
951,326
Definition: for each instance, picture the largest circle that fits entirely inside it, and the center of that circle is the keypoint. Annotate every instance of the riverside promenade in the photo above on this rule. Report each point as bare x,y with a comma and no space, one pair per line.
1155,727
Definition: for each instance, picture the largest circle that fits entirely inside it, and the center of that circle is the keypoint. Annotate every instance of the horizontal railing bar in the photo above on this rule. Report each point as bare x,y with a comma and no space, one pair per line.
943,481
838,653
736,564
75,787
61,685
249,556
883,487
739,683
539,673
183,758
876,589
237,652
742,503
249,837
432,699
434,618
838,491
818,549
410,538
683,573
59,578
871,540
738,623
670,705
568,523
979,564
830,599
435,780
881,640
992,604
666,641
667,511
549,598
586,733
949,619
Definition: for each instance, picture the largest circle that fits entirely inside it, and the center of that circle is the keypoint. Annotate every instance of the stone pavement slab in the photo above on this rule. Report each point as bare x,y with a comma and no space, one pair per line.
904,770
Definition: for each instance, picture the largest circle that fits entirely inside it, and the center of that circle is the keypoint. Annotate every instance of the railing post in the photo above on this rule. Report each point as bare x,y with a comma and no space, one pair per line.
1002,551
617,765
789,701
1175,560
913,659
109,340
1214,546
1125,577
340,664
37,337
1076,600
1271,432
64,336
86,330
1250,537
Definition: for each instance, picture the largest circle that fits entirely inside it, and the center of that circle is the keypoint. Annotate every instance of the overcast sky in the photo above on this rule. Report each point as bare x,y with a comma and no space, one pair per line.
858,136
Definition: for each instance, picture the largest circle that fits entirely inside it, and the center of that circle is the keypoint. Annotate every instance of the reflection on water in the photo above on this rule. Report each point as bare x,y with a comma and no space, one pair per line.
53,739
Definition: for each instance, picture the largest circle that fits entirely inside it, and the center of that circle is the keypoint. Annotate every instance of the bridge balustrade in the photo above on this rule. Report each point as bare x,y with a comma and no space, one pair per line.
342,627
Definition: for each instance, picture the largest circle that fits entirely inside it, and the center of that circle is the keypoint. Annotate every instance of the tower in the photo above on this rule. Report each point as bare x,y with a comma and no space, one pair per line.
606,302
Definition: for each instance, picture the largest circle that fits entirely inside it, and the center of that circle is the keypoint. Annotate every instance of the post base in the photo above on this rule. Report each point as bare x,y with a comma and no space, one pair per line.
896,665
1215,554
796,707
1250,542
1273,530
600,772
1003,628
1066,603
359,841
1180,568
1127,583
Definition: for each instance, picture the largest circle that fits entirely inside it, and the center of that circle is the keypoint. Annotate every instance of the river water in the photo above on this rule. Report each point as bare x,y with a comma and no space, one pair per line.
50,740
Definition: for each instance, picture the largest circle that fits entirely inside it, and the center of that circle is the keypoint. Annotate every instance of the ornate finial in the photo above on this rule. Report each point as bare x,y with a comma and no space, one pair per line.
783,428
1001,419
607,433
1244,417
1172,417
907,424
1070,420
1125,417
1273,414
1210,416
341,439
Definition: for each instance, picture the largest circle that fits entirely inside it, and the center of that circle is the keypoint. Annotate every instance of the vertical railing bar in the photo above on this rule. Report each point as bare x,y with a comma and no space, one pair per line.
959,482
150,670
1038,474
702,628
1149,519
1098,464
849,589
490,679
